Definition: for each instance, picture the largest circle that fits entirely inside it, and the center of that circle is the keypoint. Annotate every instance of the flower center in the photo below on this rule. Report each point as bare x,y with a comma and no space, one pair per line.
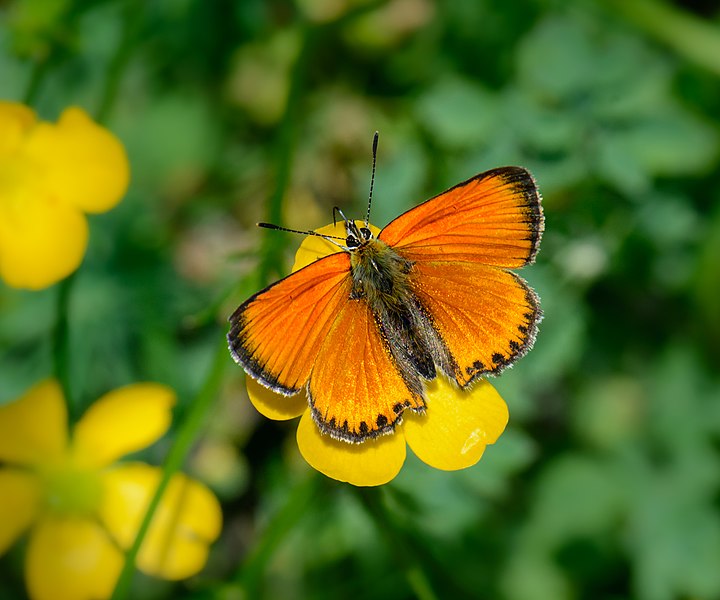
70,490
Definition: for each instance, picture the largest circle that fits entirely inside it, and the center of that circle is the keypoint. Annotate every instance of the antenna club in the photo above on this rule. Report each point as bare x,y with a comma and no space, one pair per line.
372,177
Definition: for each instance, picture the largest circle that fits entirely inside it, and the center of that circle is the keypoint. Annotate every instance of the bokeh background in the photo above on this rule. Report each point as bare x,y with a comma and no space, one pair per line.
606,483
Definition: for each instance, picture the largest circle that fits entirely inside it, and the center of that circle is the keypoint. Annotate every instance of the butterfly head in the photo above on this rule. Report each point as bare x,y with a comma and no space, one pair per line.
355,235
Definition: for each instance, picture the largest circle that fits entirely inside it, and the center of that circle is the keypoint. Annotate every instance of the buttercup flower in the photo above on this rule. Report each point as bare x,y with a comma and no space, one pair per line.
81,507
451,435
50,176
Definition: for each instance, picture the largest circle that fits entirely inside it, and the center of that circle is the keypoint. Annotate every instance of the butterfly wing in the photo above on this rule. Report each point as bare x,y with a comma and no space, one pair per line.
461,242
494,218
306,332
277,333
487,317
356,390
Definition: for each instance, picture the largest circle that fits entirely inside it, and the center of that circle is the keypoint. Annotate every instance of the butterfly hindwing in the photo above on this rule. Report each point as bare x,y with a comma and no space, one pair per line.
356,390
487,317
494,218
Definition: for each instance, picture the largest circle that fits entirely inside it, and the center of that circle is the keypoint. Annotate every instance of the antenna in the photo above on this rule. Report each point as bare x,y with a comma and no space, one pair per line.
336,211
372,178
329,238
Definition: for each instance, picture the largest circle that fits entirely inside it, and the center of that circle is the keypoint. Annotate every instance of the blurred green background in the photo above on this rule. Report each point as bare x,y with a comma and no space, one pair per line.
607,482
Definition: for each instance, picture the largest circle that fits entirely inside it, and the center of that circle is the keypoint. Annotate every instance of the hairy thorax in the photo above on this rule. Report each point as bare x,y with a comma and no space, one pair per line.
379,276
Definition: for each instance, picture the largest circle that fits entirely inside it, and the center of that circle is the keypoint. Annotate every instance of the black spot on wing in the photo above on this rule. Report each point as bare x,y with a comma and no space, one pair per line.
475,368
499,359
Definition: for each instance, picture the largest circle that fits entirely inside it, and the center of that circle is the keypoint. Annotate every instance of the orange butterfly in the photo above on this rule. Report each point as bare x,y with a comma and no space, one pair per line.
361,330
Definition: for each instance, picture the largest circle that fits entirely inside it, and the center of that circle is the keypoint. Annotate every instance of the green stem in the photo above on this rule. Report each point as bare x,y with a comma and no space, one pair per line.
39,69
131,25
689,36
401,547
184,439
61,345
281,524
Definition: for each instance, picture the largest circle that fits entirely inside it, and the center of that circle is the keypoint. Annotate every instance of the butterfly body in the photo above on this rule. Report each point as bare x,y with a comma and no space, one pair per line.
384,280
362,330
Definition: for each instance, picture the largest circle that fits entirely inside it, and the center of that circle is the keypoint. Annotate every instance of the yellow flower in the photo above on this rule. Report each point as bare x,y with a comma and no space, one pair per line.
50,176
82,509
451,435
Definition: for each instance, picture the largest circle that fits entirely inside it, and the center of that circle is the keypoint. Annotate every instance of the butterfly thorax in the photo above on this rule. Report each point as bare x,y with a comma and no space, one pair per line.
379,274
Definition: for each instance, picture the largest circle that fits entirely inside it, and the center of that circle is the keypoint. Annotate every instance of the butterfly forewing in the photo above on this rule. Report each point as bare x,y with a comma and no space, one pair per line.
494,218
276,335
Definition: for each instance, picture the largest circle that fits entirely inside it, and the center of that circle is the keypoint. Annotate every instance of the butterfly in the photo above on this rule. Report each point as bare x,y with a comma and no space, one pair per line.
362,330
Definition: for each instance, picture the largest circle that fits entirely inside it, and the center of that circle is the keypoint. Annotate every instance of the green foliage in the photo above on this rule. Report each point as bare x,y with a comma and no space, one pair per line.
606,484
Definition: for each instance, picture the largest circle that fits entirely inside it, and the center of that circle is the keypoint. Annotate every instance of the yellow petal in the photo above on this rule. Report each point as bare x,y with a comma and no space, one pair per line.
15,121
33,428
19,500
127,489
85,164
457,426
371,463
275,406
187,520
122,421
42,240
71,558
314,247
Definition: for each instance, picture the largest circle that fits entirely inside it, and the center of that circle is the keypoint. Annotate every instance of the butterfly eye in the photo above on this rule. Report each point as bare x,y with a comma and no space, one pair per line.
351,241
365,233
